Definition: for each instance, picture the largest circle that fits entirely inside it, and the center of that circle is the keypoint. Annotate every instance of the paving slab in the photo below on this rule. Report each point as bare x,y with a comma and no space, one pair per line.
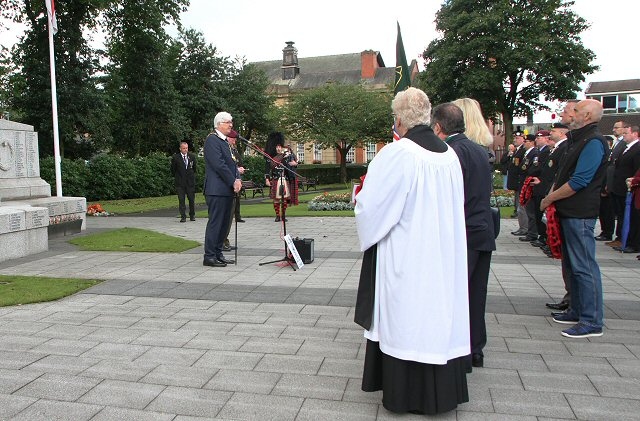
165,338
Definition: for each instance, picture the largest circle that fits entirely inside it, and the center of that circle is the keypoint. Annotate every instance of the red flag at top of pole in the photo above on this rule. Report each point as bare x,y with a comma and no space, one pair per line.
51,12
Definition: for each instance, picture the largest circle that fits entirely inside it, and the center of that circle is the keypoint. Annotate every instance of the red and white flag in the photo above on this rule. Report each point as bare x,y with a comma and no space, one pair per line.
51,12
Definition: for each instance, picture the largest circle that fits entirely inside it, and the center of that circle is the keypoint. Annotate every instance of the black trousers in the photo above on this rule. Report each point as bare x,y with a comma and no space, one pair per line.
542,227
478,263
617,203
190,193
607,216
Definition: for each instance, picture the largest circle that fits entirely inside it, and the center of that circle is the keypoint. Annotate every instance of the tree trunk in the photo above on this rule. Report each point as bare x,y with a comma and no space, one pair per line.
343,149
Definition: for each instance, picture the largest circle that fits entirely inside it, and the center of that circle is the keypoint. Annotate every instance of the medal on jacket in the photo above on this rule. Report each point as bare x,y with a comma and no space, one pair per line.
535,161
550,163
525,164
516,161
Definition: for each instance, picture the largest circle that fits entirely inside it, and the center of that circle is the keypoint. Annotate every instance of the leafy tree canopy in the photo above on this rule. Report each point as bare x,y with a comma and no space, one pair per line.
510,55
340,116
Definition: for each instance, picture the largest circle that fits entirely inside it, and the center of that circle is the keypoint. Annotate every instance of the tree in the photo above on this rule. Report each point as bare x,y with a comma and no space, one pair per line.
146,110
339,116
80,103
510,55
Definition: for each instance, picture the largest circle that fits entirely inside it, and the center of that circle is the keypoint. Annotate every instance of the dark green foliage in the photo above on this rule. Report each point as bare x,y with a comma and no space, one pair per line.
330,173
506,54
254,169
75,175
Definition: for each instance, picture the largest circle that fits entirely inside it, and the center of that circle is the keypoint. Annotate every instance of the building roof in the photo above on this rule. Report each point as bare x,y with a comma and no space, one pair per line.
613,86
318,71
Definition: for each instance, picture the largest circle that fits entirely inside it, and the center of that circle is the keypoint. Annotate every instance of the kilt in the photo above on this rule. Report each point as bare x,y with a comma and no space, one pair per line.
293,190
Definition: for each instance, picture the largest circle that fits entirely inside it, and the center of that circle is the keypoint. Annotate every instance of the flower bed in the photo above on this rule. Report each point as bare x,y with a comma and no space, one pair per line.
331,201
502,198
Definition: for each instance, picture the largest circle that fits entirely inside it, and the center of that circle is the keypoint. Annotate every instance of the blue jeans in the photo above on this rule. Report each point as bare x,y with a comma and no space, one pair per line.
579,256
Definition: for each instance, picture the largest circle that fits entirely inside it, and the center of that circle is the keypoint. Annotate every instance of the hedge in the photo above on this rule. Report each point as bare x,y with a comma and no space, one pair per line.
109,177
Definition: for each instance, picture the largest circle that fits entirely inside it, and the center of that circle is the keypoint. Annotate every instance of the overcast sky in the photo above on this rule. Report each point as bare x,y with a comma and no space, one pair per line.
258,30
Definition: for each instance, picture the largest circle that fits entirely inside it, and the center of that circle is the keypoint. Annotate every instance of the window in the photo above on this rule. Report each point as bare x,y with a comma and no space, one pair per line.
351,155
371,151
610,103
317,153
300,152
633,103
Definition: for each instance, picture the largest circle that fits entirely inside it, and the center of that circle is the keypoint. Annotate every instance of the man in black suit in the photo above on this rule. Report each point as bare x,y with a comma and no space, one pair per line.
529,158
514,172
616,208
221,182
448,125
183,168
540,188
627,164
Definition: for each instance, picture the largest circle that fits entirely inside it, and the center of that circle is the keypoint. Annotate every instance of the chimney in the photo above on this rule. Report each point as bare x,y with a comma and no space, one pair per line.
369,64
290,67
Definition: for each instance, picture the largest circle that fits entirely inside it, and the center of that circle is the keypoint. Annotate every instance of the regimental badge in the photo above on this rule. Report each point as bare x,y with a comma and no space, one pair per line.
550,163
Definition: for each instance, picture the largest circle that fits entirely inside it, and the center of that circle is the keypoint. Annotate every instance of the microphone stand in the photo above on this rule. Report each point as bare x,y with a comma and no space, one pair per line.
281,192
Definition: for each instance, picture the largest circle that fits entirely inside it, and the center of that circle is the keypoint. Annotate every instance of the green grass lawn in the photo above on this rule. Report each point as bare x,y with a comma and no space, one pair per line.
252,207
15,290
133,239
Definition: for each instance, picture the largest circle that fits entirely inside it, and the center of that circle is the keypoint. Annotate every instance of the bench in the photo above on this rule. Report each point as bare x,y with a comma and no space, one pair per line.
305,183
250,186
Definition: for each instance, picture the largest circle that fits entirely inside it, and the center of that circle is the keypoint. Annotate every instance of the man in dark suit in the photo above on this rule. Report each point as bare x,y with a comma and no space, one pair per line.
607,214
540,186
221,182
627,164
448,125
514,172
183,168
530,156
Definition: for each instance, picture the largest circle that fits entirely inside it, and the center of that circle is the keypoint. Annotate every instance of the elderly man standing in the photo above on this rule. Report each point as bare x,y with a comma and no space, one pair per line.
576,195
221,182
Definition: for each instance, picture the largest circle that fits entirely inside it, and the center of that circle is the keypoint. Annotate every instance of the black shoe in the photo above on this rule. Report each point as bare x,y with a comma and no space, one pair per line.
527,238
562,305
518,232
193,218
277,219
626,249
559,313
603,237
226,261
183,219
213,262
228,248
240,220
477,360
538,243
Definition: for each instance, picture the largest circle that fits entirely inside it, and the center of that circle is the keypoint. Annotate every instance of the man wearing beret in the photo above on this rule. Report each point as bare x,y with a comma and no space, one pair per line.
529,161
540,189
514,161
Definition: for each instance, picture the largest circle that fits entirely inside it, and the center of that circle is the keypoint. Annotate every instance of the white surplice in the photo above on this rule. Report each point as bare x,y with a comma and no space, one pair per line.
412,206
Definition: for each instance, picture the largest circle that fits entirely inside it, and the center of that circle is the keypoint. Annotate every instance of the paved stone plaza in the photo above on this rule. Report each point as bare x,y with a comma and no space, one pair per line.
165,338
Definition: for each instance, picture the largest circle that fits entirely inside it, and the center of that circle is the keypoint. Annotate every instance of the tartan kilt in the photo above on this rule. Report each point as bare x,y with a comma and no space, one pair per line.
293,191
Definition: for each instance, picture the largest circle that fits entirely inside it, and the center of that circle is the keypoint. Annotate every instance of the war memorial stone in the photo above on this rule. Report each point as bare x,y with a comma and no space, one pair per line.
28,212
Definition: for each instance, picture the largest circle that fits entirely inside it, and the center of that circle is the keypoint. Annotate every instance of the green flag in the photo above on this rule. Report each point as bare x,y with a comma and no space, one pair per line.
403,76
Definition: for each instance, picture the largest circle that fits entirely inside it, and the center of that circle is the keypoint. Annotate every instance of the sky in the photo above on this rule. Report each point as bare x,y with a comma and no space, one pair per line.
258,30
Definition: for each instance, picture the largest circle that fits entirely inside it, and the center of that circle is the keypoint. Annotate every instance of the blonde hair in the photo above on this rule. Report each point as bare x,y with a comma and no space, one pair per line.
476,126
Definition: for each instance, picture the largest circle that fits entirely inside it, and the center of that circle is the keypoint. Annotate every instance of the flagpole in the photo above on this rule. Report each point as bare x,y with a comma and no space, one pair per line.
54,110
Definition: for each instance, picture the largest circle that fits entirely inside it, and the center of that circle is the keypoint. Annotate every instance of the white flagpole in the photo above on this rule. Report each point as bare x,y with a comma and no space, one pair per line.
54,110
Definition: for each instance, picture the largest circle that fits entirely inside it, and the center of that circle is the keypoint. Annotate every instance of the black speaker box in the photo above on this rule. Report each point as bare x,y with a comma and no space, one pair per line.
305,249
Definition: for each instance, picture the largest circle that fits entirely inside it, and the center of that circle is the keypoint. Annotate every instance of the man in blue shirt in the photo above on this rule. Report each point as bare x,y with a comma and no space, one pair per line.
576,196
